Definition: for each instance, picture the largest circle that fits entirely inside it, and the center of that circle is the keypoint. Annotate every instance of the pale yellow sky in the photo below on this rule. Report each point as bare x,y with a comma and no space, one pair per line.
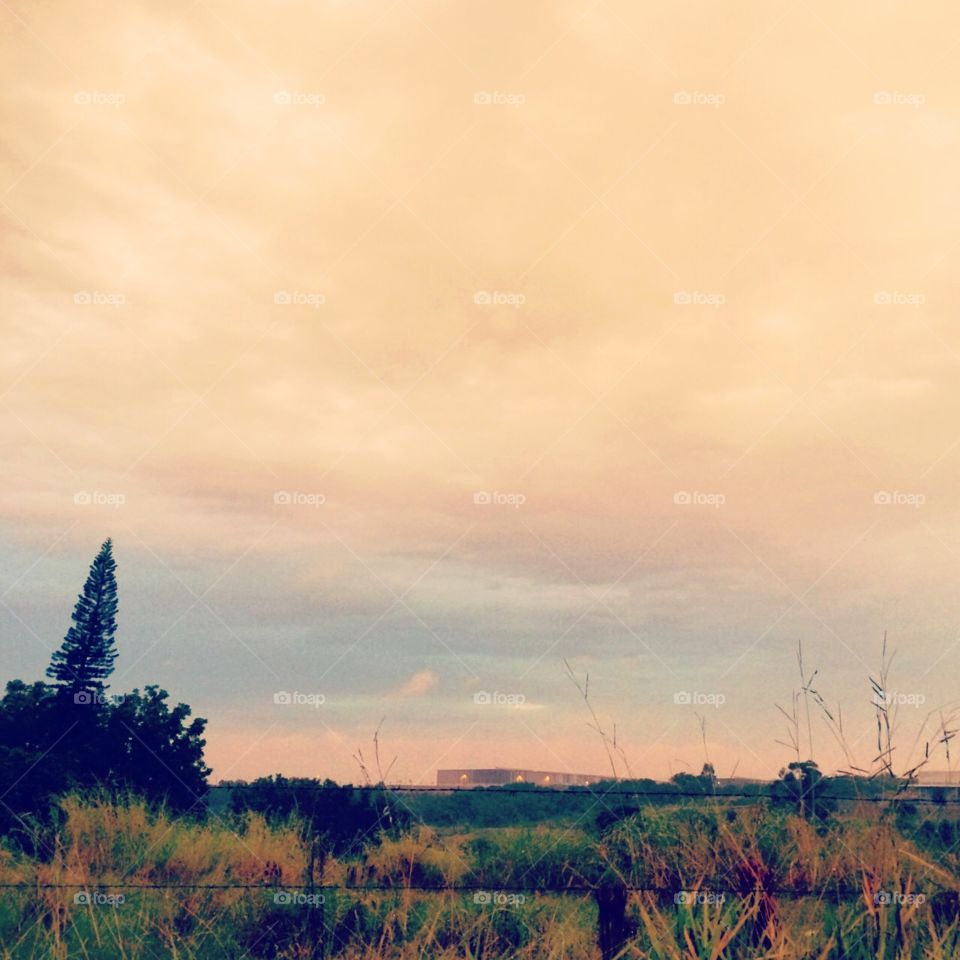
597,258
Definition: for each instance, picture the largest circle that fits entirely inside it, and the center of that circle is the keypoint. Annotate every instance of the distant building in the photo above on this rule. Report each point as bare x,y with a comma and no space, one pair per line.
938,778
936,785
504,776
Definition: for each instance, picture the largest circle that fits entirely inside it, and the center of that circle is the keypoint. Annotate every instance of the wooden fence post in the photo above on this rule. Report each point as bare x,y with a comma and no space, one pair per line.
316,911
613,927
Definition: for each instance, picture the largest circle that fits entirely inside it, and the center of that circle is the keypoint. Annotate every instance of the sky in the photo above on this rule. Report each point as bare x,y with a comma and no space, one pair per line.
412,351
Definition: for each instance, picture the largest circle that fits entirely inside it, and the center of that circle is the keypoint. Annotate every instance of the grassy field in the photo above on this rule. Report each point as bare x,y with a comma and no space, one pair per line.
697,880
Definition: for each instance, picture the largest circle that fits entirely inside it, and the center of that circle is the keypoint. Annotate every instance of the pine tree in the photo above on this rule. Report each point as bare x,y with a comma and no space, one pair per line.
86,658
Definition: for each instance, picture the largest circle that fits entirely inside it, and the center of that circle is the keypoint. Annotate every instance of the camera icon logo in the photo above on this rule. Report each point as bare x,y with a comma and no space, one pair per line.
883,98
82,498
882,897
83,697
482,897
483,98
882,497
282,497
282,897
83,98
282,298
683,698
482,298
682,497
282,98
482,497
83,298
682,97
682,298
81,898
483,698
283,698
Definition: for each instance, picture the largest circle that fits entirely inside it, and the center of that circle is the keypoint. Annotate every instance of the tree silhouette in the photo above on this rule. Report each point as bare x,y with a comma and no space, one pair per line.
86,657
65,736
156,750
802,785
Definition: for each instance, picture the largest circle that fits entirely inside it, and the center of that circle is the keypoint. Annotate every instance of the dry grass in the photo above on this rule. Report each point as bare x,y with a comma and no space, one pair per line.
103,845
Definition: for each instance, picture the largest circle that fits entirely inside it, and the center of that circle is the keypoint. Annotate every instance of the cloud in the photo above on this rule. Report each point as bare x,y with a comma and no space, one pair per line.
418,685
386,294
